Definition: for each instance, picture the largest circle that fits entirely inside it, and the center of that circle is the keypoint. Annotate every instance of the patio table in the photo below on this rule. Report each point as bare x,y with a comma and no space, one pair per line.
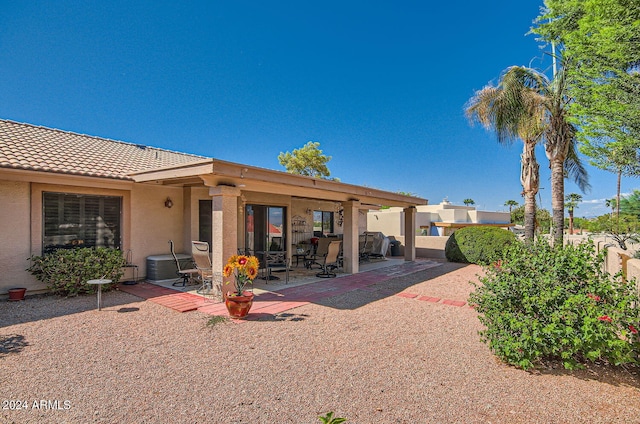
99,282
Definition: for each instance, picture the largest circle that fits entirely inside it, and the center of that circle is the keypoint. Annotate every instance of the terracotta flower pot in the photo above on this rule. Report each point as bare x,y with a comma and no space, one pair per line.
238,306
17,294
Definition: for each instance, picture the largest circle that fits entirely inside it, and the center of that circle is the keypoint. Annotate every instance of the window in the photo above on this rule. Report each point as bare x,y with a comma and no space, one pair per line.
322,223
78,220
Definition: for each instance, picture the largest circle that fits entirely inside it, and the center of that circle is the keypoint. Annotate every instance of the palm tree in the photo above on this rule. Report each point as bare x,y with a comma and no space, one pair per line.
571,202
468,202
613,204
510,110
550,99
511,204
621,158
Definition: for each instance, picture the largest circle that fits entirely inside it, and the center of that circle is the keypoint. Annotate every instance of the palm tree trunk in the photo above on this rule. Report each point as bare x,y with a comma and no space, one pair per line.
557,200
529,216
530,180
571,221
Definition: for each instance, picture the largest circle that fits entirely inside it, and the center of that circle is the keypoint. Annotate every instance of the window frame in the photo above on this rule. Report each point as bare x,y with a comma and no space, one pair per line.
327,224
84,219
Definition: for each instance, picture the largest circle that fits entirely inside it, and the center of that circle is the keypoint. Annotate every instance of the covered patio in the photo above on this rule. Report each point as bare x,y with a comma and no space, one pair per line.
227,204
274,297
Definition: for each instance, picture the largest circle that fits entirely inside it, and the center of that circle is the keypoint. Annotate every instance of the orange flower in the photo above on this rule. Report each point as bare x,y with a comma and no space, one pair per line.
228,270
244,270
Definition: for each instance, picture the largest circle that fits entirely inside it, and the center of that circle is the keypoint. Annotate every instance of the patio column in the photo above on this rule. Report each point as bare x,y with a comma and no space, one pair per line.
410,233
224,225
350,236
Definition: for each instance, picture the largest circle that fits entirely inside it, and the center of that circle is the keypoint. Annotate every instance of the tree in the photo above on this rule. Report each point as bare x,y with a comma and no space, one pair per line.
507,110
623,159
630,205
511,204
602,39
571,202
468,202
539,105
551,100
543,219
622,229
613,204
307,160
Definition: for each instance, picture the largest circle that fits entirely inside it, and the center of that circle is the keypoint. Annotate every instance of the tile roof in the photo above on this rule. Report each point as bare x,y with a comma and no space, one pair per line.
30,147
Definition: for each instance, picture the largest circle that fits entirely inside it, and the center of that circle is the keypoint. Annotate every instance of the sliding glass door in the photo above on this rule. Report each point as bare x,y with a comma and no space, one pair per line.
265,228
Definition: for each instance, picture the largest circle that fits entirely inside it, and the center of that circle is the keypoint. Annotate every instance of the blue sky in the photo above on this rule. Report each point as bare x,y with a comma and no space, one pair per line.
381,85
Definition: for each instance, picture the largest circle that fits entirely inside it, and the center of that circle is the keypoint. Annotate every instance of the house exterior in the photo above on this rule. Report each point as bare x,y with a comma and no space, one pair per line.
61,189
436,220
433,224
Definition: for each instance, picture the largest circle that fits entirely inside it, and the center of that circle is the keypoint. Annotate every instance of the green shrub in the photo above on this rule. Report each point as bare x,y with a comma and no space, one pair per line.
66,271
477,245
541,302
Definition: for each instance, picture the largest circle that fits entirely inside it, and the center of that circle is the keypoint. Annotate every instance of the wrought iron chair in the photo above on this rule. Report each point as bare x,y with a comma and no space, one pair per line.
129,264
331,259
276,261
186,275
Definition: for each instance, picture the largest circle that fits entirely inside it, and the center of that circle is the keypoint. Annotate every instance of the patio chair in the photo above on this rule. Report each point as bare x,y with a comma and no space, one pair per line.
129,264
317,257
276,261
211,281
186,275
330,261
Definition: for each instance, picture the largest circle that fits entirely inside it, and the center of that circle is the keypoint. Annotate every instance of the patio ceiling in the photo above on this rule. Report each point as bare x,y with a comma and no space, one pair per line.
213,172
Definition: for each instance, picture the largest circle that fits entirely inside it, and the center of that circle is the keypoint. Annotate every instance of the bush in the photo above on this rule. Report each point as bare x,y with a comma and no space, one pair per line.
541,302
66,271
478,245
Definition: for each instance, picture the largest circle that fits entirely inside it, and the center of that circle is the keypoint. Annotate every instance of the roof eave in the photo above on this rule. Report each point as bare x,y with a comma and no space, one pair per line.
214,172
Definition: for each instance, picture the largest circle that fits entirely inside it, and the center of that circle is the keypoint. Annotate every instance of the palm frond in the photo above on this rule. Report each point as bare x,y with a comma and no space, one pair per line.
575,170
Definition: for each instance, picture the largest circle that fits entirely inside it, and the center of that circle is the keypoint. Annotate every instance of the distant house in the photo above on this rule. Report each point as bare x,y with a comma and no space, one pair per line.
64,190
436,220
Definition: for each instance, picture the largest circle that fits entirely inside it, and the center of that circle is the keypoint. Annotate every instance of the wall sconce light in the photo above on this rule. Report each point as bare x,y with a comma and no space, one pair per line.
168,203
308,211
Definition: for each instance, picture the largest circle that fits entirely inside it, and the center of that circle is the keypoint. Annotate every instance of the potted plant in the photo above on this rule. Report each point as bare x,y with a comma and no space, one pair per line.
17,293
242,270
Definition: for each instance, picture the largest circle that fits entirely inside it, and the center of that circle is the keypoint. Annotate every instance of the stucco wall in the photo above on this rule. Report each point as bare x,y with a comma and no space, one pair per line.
153,224
614,262
15,229
487,217
147,225
427,246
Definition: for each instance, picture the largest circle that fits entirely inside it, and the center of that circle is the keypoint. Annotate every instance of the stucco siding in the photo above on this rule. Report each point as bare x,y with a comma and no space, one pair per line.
427,246
15,229
153,224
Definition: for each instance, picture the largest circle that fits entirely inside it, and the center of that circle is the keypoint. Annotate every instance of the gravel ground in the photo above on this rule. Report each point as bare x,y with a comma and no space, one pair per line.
369,355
